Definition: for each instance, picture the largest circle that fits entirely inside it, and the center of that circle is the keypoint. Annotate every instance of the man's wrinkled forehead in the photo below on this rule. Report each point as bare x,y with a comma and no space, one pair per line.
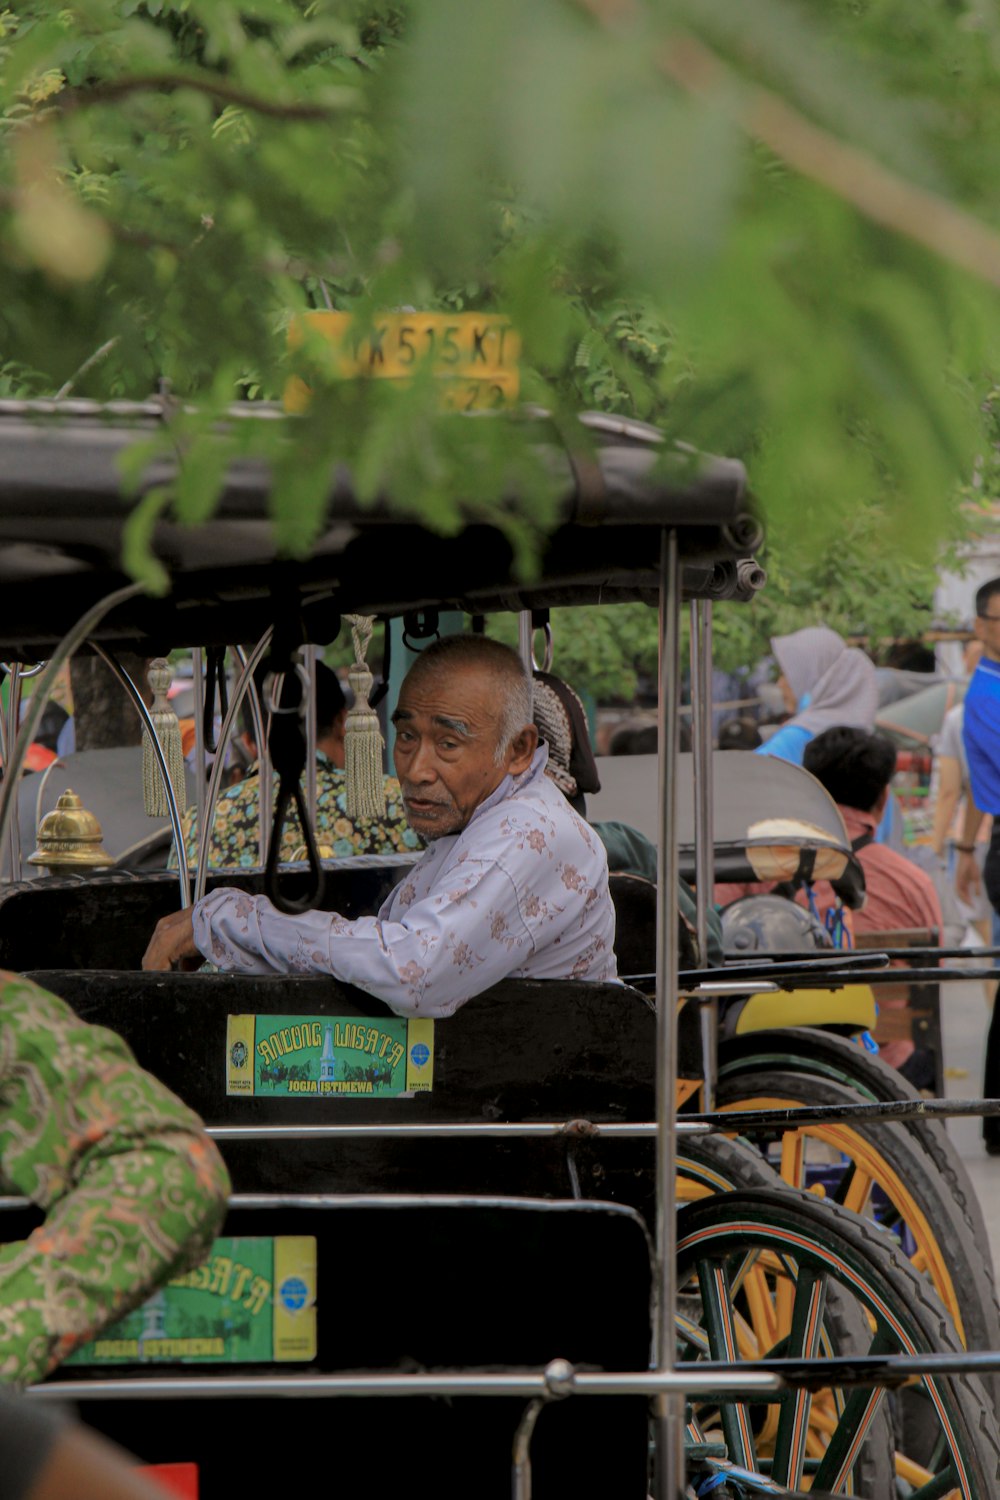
464,699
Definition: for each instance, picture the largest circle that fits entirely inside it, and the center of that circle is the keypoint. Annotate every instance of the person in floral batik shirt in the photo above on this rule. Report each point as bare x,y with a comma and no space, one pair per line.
235,841
132,1187
513,884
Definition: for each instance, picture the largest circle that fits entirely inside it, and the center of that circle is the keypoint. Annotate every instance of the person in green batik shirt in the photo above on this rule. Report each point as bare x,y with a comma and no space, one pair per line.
132,1187
235,832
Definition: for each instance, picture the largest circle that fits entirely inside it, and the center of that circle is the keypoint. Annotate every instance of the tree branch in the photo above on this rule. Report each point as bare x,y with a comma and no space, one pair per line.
217,88
876,192
88,364
293,265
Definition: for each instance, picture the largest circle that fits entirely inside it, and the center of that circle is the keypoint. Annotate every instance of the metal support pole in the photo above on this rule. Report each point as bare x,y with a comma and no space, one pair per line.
668,1410
198,673
475,1130
13,714
520,1486
244,684
710,1384
259,738
525,638
702,737
311,734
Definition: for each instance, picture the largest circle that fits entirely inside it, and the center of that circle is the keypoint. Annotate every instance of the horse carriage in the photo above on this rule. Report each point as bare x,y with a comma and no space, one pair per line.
468,1251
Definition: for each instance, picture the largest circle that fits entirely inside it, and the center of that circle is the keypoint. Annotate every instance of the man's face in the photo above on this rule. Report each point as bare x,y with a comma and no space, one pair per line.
447,730
988,628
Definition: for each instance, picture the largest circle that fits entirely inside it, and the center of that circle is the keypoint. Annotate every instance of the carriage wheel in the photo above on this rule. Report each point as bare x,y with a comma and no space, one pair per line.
817,1052
713,1164
755,1272
879,1171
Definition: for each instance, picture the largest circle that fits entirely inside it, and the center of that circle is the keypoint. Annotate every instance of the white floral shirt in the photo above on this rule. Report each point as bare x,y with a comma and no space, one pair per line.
521,892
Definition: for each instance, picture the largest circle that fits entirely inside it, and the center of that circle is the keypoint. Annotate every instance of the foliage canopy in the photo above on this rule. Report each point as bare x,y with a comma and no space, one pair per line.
763,224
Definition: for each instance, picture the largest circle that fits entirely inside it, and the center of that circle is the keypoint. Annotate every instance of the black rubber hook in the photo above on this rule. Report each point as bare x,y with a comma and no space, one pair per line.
288,746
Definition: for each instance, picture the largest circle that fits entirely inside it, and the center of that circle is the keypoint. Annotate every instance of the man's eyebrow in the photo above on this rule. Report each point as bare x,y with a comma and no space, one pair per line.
458,725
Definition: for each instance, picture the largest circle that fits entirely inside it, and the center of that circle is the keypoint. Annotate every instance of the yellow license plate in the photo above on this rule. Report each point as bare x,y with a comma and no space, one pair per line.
474,354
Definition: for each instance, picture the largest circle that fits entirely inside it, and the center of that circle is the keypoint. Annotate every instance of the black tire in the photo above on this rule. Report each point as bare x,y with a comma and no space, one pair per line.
801,1049
791,1237
918,1196
722,1165
718,1164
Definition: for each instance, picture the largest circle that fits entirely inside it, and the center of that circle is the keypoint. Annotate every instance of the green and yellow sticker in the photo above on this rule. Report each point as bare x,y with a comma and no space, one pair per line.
276,1057
252,1301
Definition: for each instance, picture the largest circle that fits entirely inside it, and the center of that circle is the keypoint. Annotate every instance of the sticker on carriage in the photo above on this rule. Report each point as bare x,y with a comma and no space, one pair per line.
309,1057
253,1301
475,356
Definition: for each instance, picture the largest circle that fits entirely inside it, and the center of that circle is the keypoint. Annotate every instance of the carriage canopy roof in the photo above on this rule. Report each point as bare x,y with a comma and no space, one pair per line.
63,509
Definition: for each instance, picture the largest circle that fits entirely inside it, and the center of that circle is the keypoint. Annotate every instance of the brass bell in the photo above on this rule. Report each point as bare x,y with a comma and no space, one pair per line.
69,837
301,854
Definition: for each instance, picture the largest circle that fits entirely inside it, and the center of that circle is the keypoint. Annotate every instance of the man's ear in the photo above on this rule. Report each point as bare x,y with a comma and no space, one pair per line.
880,802
979,626
522,748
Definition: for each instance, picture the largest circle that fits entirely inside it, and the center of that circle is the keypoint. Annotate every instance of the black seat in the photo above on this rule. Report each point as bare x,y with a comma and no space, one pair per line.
405,1285
525,1050
106,921
636,901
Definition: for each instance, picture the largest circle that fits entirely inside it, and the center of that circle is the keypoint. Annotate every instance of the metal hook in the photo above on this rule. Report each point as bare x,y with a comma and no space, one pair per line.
548,654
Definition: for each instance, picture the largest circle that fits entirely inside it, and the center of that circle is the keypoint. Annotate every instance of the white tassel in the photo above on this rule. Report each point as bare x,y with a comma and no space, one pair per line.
363,743
168,732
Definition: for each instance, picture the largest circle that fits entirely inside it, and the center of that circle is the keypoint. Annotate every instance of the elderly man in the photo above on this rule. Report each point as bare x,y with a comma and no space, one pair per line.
513,884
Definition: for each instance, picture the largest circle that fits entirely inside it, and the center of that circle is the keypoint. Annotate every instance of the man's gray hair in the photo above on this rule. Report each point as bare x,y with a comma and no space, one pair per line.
514,685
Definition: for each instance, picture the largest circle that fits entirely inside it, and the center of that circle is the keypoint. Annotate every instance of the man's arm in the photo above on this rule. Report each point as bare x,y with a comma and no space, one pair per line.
82,1466
968,879
133,1188
445,948
982,752
46,1457
172,944
949,792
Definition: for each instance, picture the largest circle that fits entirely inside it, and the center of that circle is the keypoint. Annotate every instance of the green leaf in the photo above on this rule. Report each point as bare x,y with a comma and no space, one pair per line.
137,542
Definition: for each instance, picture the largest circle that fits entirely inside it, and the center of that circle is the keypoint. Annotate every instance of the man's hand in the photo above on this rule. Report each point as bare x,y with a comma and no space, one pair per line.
172,944
968,879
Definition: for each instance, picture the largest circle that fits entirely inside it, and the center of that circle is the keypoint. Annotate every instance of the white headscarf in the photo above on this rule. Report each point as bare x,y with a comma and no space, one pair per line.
839,679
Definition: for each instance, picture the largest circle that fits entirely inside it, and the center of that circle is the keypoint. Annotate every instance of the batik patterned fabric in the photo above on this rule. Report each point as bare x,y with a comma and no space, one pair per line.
521,892
235,833
133,1189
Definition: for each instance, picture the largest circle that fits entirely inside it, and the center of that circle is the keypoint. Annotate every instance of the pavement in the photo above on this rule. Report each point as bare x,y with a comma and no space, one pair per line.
964,1021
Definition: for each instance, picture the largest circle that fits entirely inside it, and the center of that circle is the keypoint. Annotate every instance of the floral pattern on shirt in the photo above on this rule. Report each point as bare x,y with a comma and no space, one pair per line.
236,829
133,1188
521,892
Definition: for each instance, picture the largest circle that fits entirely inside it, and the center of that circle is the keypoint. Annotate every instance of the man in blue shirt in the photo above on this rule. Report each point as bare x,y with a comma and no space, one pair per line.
981,738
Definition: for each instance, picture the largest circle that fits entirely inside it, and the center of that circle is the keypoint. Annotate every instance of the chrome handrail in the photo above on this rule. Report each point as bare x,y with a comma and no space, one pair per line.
206,808
73,638
173,809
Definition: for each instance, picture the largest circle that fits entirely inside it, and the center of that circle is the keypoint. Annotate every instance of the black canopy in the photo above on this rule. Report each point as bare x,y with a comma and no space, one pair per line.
62,512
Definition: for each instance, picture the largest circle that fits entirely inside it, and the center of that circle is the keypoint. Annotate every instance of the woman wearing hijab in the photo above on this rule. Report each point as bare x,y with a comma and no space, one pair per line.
826,684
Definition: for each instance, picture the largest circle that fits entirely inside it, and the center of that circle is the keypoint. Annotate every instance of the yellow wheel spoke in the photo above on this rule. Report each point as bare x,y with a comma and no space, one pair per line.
762,1310
859,1193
